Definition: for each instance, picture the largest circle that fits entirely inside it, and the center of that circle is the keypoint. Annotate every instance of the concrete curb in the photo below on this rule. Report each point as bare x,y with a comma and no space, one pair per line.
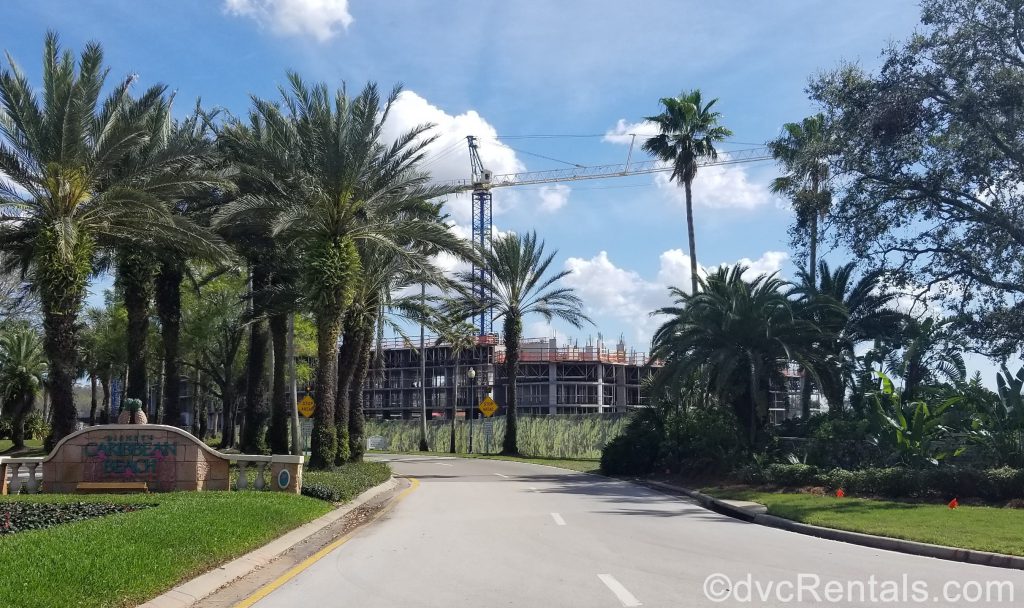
190,592
886,543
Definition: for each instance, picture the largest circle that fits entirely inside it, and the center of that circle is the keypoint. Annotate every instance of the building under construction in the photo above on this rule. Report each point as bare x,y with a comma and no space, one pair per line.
552,379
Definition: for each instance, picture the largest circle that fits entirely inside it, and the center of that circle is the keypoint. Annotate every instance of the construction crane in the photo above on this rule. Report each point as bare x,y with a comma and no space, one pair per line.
482,181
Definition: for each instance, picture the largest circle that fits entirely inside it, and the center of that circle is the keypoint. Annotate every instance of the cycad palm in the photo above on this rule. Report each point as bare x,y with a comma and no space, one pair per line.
518,286
735,335
850,312
342,186
22,371
63,196
802,150
689,130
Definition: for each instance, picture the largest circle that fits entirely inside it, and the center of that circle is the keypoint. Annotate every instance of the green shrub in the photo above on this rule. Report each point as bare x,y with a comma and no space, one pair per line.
22,516
791,475
344,483
636,450
898,482
36,427
700,440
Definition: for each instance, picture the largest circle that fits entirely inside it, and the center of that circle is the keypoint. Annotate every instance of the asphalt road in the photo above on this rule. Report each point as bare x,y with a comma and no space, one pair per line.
482,533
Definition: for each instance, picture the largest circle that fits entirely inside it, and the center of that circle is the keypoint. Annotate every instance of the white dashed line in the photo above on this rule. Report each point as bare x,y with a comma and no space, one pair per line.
533,489
502,476
444,464
627,598
558,519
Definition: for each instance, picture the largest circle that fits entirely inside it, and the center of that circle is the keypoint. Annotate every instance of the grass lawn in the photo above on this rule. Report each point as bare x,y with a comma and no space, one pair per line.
582,465
127,558
34,448
995,529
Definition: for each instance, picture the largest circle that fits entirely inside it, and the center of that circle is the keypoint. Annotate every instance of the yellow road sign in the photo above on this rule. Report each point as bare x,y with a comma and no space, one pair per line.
488,406
306,406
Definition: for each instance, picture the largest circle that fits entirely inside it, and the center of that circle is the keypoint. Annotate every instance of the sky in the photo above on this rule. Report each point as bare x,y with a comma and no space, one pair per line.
587,72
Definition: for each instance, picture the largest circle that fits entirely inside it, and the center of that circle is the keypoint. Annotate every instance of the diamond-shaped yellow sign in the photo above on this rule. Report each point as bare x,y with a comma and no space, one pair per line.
488,406
306,406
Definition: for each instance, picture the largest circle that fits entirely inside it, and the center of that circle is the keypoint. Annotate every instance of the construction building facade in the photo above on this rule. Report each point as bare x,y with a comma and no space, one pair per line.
552,379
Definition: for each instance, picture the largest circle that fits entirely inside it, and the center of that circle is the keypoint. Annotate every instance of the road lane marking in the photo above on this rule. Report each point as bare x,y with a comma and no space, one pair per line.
444,464
296,570
558,519
627,598
533,489
502,476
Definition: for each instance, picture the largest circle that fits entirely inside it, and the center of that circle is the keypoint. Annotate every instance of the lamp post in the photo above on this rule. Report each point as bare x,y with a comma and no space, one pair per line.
472,404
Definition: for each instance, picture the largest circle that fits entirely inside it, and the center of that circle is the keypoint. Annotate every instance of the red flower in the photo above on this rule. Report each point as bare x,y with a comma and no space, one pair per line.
954,504
840,493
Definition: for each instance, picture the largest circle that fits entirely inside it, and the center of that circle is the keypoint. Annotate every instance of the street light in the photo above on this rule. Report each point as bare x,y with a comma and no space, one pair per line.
472,404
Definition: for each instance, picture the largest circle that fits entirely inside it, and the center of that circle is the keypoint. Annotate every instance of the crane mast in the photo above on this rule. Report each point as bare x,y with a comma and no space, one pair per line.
481,209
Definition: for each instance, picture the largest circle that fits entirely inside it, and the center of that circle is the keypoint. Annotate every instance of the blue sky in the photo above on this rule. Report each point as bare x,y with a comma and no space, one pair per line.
516,69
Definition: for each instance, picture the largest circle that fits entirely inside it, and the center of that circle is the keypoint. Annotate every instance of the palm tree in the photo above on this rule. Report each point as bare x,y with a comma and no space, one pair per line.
64,193
460,336
932,352
735,335
802,150
850,312
689,130
516,288
22,372
342,186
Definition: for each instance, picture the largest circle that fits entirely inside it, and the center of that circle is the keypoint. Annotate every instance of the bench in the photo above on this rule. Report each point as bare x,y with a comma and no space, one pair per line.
111,487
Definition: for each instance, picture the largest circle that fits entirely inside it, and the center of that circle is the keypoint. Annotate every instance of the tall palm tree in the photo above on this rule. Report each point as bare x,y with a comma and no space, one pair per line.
932,352
64,194
460,336
519,285
850,311
736,335
343,186
689,130
802,150
22,372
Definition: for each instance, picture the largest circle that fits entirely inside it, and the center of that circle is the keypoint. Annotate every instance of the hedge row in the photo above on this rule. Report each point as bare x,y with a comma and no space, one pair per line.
344,483
898,482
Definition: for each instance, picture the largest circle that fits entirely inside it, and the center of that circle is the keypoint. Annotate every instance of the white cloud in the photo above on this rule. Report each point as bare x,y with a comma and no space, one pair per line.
617,293
554,197
448,157
717,187
623,132
321,19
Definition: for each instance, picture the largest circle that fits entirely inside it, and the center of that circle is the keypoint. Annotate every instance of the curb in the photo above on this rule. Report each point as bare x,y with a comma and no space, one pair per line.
970,556
192,591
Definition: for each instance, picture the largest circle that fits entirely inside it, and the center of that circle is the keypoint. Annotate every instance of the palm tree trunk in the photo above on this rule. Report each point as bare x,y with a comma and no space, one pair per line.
257,404
356,418
348,358
324,440
168,308
92,399
61,296
753,401
513,333
18,421
455,402
690,236
423,372
280,407
135,277
227,433
105,409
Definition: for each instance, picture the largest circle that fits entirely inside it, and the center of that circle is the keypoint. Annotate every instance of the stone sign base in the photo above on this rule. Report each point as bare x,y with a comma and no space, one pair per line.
166,458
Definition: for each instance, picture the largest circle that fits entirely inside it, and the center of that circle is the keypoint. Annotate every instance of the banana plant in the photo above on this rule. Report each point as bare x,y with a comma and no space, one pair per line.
999,431
915,430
